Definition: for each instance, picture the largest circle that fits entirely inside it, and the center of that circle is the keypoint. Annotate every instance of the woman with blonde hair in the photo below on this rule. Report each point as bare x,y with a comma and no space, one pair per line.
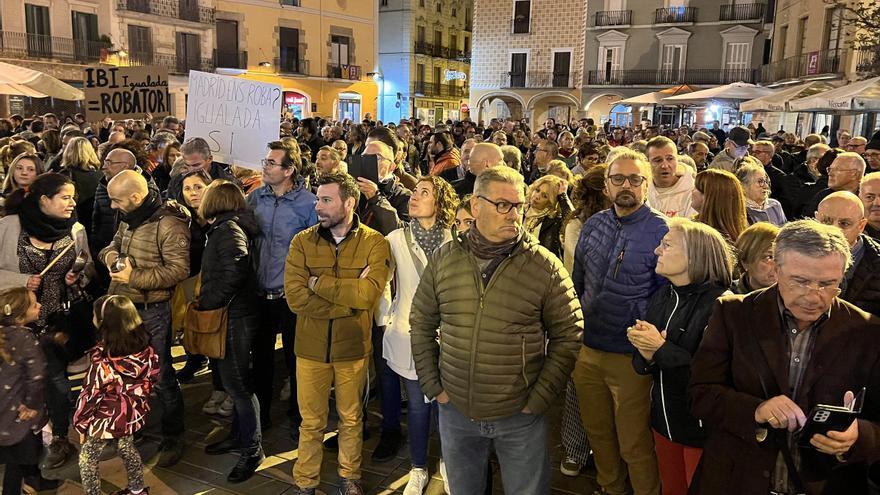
12,150
23,171
755,265
547,210
698,262
719,201
80,163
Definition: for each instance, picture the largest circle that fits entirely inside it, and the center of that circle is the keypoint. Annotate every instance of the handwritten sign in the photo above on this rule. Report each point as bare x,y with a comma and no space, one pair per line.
126,92
238,117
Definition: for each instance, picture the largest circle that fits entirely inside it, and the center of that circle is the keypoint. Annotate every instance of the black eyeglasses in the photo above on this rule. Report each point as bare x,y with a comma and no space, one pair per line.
503,207
634,180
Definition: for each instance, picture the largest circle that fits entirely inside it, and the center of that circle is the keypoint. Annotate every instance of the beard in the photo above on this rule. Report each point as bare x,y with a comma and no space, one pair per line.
329,221
626,199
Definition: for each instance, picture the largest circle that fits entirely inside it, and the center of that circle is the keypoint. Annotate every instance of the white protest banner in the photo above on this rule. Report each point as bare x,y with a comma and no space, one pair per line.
236,116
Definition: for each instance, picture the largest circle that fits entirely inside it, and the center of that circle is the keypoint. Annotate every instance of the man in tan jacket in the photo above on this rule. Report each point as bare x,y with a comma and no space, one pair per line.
148,257
334,276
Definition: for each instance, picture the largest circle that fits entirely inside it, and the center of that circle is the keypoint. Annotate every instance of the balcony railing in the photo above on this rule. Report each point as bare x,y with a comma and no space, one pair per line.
351,72
187,10
807,64
614,17
868,60
230,60
433,50
38,46
291,65
538,79
176,64
675,15
439,89
742,12
669,77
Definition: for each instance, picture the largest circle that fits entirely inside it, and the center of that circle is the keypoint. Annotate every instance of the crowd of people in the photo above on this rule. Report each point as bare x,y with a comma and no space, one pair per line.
686,296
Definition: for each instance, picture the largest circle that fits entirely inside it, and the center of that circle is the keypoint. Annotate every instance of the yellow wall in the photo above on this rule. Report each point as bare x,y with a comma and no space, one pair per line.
259,23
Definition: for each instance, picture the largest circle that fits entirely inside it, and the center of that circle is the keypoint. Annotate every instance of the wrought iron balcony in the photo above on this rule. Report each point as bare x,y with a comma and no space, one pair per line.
675,15
38,46
537,79
807,64
230,60
439,89
742,12
187,10
176,64
292,65
614,18
653,77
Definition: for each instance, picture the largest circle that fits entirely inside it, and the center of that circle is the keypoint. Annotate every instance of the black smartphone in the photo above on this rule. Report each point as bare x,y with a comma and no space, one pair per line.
824,418
366,166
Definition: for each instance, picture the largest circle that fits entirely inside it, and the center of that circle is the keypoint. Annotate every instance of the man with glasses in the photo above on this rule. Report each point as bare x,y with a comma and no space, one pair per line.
765,152
546,151
614,277
862,283
770,356
283,208
844,174
507,346
196,154
736,146
857,144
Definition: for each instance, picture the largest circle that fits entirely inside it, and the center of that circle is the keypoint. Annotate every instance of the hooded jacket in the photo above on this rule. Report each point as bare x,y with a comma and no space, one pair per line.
158,251
673,201
115,396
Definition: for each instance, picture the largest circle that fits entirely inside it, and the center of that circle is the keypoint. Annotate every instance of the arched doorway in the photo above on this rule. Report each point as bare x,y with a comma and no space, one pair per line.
349,106
558,105
603,107
500,105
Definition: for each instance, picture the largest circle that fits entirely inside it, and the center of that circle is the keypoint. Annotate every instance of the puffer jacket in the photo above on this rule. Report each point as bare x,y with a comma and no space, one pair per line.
280,219
334,320
158,251
504,346
228,262
684,313
105,220
446,165
614,274
863,290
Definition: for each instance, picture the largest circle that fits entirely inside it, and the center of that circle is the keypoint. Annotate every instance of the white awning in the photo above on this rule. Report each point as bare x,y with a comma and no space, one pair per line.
857,96
656,97
15,80
778,101
738,91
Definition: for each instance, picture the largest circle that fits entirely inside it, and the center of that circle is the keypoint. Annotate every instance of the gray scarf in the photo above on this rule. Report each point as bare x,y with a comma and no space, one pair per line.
429,240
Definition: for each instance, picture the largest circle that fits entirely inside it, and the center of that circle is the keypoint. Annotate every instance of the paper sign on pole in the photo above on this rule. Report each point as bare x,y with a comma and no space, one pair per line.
236,116
126,92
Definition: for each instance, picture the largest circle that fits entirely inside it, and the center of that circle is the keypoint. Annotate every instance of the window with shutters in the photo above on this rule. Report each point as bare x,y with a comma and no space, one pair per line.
85,35
288,39
38,33
522,13
561,69
189,53
140,45
518,64
737,56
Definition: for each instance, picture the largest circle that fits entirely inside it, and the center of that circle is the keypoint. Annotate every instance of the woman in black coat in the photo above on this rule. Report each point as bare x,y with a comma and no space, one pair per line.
229,280
549,206
698,263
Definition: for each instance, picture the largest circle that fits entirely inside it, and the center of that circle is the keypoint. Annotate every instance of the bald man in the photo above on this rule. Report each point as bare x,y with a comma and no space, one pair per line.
148,257
384,206
481,157
844,174
861,286
869,193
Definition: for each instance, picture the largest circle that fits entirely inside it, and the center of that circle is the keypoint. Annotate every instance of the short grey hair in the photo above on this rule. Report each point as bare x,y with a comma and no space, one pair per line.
813,239
505,175
196,146
512,154
817,151
747,170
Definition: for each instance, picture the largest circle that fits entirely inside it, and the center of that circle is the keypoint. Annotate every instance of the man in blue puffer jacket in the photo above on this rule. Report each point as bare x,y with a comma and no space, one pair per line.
614,278
283,208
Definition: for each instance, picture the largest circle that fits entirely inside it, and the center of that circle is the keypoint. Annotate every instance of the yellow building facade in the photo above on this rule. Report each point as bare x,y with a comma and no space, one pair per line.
321,52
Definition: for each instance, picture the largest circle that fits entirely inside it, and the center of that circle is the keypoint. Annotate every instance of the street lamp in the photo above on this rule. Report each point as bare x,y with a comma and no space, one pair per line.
380,81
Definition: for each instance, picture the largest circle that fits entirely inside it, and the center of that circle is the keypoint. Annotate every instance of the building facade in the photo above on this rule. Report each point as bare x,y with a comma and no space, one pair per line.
528,59
424,59
58,37
812,41
639,46
321,52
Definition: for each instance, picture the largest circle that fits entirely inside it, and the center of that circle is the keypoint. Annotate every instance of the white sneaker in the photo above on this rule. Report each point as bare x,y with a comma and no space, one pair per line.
418,481
285,390
445,478
226,407
212,405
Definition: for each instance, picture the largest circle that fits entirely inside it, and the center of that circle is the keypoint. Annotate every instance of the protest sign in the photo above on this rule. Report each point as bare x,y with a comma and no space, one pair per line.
126,92
236,116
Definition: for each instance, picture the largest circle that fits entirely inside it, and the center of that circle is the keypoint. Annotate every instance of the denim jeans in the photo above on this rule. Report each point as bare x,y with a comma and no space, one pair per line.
235,374
520,442
419,415
157,321
57,388
388,386
275,316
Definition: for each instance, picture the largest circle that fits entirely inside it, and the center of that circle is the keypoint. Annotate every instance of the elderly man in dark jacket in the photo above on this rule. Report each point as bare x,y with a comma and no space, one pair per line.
384,206
506,348
614,277
768,358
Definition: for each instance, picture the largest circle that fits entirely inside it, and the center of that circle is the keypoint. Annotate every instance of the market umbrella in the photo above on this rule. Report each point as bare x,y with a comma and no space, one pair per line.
656,97
15,80
857,96
738,91
778,101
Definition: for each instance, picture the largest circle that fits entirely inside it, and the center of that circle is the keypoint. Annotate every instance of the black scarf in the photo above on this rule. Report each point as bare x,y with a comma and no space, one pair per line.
37,224
486,249
142,213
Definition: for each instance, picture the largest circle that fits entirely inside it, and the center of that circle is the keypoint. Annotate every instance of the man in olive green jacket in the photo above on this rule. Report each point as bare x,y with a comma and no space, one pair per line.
334,276
510,326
